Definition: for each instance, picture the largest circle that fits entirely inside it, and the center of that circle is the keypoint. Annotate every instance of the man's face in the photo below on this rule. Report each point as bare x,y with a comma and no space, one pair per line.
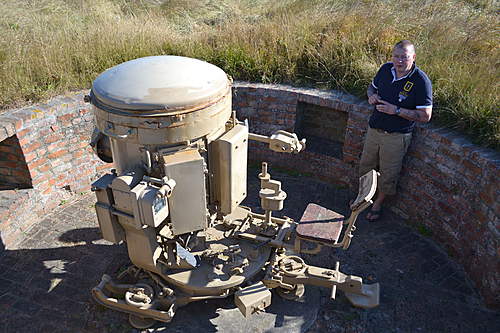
403,59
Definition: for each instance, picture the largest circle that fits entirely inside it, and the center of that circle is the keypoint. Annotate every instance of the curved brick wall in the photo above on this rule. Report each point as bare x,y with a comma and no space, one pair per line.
448,185
44,159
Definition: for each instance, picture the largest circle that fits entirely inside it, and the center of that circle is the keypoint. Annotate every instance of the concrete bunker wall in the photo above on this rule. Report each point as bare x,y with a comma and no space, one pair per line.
449,187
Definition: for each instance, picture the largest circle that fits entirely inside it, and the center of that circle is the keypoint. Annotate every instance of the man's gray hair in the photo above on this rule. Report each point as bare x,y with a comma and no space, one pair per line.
405,44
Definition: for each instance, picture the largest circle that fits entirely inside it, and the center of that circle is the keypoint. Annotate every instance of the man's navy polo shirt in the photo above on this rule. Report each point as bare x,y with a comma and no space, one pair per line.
413,91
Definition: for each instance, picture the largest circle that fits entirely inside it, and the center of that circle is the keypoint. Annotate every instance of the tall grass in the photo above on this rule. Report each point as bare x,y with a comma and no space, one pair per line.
51,46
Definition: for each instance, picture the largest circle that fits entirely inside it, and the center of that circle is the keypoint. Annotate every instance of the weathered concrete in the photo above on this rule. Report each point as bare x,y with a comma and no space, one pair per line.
45,282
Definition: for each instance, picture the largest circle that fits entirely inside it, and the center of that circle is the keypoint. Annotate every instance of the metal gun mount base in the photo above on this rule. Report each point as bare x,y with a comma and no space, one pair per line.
180,154
235,257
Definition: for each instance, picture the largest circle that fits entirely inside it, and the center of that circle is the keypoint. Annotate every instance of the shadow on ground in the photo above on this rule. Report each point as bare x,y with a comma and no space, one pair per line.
45,282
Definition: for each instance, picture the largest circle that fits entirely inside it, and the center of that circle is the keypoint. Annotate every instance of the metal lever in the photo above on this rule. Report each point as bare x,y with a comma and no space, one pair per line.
281,141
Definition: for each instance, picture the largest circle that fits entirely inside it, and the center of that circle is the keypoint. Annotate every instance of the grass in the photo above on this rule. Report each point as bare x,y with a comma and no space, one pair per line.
48,47
420,228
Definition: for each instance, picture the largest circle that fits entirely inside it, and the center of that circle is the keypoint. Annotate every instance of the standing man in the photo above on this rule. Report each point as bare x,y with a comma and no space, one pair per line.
402,95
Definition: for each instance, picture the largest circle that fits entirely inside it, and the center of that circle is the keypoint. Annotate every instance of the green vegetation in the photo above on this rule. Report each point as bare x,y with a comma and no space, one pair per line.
422,229
51,46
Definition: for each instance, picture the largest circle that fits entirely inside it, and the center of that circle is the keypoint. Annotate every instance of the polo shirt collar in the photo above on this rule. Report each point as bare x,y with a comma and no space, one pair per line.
393,71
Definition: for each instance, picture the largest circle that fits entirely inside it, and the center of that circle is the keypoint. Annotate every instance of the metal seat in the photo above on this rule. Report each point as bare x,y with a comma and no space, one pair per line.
320,224
323,226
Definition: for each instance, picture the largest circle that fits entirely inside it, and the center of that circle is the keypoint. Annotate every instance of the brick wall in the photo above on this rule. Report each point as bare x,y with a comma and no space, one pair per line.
14,172
43,148
448,187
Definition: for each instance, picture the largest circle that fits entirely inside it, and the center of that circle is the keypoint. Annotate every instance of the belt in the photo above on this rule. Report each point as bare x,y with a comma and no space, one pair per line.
385,132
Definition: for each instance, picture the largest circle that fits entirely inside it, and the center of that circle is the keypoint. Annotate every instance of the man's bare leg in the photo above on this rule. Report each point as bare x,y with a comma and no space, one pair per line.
376,209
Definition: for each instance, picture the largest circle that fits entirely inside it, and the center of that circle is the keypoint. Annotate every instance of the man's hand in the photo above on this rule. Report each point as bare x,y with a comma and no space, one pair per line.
422,115
386,107
374,99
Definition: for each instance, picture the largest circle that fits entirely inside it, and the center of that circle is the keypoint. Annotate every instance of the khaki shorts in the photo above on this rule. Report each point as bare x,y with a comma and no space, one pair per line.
384,152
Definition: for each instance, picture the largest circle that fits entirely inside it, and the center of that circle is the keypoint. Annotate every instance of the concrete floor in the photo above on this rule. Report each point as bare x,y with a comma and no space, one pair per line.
45,282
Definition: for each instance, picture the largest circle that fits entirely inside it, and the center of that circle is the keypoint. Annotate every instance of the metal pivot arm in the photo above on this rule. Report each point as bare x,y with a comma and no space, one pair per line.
281,141
293,271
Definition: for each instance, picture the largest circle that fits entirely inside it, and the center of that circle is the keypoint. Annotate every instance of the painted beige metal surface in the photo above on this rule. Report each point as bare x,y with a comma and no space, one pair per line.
252,299
188,204
229,172
163,83
165,129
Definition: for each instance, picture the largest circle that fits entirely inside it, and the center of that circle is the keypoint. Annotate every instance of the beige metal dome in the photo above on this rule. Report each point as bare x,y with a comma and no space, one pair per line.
159,85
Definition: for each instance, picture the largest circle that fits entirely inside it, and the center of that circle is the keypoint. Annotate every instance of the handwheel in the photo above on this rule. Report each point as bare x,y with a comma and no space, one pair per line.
292,295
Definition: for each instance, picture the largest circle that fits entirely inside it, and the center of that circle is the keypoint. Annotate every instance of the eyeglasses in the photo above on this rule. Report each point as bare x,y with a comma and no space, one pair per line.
401,58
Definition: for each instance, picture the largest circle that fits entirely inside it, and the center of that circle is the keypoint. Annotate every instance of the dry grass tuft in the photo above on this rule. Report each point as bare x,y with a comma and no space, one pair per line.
51,46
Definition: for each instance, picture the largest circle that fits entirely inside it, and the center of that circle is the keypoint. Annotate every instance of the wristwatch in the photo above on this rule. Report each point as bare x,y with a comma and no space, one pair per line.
398,111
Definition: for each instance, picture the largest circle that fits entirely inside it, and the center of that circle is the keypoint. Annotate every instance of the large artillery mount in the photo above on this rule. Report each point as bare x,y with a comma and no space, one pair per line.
180,157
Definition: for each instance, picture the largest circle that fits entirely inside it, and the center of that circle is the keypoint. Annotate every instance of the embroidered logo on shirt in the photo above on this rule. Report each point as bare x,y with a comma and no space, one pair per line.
408,86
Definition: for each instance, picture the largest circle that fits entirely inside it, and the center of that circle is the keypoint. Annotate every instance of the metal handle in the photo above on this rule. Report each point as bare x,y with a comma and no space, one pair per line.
117,136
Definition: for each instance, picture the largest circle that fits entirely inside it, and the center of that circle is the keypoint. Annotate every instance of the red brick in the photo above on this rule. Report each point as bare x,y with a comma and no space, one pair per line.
446,209
8,164
105,167
5,171
21,173
37,163
66,119
6,149
52,138
47,190
41,179
83,111
23,132
24,141
81,188
43,185
32,147
472,167
44,168
66,158
480,217
445,140
487,199
55,146
19,124
41,152
29,157
12,157
78,153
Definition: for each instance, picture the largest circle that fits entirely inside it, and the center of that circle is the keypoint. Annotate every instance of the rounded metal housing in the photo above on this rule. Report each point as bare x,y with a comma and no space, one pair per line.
161,100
